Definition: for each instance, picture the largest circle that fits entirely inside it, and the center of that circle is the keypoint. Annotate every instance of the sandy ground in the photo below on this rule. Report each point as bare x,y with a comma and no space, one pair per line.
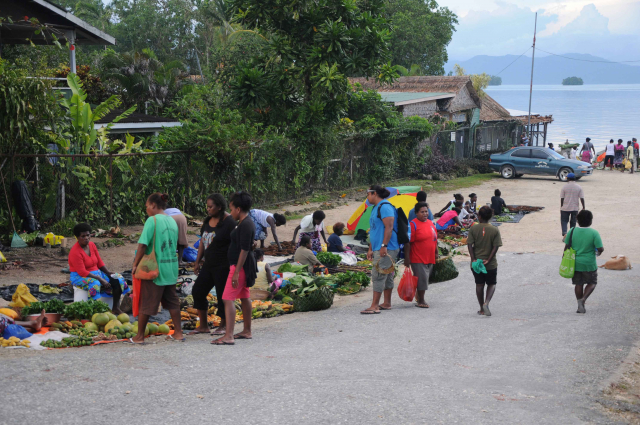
610,195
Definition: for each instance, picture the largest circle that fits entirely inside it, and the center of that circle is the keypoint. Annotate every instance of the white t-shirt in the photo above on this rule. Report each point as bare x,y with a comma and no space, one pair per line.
306,225
261,217
463,214
611,150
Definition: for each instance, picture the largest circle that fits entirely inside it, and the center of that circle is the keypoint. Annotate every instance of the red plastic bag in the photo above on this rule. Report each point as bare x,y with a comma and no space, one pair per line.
408,285
136,296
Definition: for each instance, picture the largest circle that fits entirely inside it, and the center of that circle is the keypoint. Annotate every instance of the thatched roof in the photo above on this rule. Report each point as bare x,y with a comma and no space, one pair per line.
430,84
493,111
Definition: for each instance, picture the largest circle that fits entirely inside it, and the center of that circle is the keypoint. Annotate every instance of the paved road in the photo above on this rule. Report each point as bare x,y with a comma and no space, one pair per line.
534,361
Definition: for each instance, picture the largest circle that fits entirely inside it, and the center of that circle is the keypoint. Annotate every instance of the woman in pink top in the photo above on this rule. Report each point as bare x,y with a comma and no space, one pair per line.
449,218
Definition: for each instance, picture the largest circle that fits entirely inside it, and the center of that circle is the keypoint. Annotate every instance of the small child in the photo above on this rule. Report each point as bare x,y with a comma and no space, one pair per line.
265,277
335,243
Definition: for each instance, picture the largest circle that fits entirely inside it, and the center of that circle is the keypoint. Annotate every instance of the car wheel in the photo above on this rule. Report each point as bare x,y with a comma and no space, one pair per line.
507,172
563,173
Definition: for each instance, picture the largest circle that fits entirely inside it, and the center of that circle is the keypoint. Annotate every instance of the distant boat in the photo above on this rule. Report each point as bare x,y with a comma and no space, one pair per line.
572,81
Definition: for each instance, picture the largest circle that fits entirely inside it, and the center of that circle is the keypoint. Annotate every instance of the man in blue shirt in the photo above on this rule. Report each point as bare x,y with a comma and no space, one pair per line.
420,197
383,248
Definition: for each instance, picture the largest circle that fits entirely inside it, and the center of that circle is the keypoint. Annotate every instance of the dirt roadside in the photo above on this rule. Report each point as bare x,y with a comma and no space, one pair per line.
609,195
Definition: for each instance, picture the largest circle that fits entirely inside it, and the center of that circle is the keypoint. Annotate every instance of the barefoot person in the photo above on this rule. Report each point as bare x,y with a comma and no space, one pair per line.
215,238
264,221
160,235
571,195
89,273
587,244
483,243
31,325
312,225
242,272
421,252
383,248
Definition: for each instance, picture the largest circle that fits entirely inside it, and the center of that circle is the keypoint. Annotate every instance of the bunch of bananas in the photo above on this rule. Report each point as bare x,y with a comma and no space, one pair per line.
14,342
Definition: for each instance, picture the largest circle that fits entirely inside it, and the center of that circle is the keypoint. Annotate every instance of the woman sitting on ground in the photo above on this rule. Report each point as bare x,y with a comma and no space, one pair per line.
312,225
89,273
305,256
449,220
452,203
497,203
465,218
335,243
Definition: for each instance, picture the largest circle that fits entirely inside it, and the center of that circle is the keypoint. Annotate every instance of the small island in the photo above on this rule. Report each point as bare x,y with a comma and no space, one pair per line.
495,81
572,81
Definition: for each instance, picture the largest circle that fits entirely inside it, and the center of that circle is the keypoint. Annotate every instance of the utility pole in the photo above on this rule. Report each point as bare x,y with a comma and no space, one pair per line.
533,57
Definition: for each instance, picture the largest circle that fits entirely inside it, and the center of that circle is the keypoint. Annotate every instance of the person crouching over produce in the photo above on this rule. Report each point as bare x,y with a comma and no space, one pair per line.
421,252
335,243
89,273
304,255
483,243
312,225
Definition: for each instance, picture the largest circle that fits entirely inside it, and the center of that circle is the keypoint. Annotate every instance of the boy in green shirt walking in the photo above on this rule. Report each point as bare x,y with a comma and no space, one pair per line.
587,244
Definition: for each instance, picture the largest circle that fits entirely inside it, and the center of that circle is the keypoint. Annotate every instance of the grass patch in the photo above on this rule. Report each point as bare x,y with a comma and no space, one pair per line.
320,198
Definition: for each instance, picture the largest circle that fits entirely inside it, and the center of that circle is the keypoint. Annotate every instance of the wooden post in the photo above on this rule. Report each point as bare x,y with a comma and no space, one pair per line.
111,189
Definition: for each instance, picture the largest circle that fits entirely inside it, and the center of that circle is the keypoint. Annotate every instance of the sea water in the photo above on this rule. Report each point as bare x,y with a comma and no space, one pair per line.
599,111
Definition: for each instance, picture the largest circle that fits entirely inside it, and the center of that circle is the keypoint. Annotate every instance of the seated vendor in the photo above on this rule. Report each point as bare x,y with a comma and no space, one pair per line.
335,243
304,255
265,277
448,219
89,273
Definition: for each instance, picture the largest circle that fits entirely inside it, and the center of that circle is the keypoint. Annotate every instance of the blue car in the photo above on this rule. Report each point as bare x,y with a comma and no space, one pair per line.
537,160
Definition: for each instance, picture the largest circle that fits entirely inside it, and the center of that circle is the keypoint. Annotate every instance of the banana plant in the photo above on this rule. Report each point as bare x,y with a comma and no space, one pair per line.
82,134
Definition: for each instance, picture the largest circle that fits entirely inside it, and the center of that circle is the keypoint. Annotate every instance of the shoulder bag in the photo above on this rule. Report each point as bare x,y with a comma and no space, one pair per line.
148,267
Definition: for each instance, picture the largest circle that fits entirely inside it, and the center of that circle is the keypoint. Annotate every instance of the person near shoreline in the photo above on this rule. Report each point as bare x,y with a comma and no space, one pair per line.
383,247
215,238
181,221
497,203
550,146
631,156
610,152
420,197
483,243
305,256
457,197
160,235
88,271
421,253
636,151
587,244
588,147
571,195
242,270
264,220
619,155
335,243
312,225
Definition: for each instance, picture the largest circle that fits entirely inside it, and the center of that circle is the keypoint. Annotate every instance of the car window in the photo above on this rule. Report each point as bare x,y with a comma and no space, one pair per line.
556,155
540,154
522,153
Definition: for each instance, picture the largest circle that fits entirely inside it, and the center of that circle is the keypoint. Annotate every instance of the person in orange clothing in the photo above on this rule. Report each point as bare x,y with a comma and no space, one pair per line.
421,252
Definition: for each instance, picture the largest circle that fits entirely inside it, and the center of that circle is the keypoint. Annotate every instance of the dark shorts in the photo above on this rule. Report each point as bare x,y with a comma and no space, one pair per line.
608,159
488,278
585,278
152,295
209,278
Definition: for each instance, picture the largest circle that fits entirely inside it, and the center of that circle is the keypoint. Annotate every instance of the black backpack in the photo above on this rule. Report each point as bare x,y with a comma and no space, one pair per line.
403,223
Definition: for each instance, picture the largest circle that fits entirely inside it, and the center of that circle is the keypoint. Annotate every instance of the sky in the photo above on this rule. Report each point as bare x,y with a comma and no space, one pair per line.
606,28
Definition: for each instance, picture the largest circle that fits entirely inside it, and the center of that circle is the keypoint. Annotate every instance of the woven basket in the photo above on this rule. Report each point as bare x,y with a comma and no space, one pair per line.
320,299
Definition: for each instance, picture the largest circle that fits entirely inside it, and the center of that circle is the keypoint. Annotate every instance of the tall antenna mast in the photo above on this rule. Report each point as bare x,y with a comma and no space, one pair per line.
533,57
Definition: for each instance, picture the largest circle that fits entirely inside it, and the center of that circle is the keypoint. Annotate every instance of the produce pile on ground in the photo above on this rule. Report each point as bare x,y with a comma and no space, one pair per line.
329,259
85,310
14,342
55,306
523,208
288,248
345,282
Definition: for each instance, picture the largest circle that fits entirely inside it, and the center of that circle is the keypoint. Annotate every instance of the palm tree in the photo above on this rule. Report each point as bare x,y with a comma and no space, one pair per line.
413,72
96,13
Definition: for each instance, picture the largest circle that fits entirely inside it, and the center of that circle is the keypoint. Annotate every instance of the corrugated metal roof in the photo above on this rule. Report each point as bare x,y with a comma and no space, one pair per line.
403,98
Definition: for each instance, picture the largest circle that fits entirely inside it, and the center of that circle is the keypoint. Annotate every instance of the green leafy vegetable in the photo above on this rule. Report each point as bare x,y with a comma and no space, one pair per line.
54,306
290,268
85,309
329,259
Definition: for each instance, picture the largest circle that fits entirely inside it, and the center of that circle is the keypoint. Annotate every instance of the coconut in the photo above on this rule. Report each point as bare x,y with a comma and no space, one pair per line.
164,329
100,319
124,318
112,324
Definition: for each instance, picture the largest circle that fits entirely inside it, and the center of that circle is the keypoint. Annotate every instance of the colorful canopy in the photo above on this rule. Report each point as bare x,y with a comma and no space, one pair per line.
401,197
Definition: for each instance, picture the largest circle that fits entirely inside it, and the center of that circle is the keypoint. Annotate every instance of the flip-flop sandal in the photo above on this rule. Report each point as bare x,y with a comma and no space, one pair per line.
370,312
215,342
481,313
218,332
422,305
197,332
172,339
130,341
238,336
486,310
384,308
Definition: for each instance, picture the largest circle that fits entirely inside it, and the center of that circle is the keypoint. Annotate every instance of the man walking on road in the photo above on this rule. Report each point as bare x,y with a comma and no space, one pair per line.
571,196
483,243
383,247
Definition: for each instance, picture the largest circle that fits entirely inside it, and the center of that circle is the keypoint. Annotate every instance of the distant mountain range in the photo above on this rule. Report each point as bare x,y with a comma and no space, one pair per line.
551,69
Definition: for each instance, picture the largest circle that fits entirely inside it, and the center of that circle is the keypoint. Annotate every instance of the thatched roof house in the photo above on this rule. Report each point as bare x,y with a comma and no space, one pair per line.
453,97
